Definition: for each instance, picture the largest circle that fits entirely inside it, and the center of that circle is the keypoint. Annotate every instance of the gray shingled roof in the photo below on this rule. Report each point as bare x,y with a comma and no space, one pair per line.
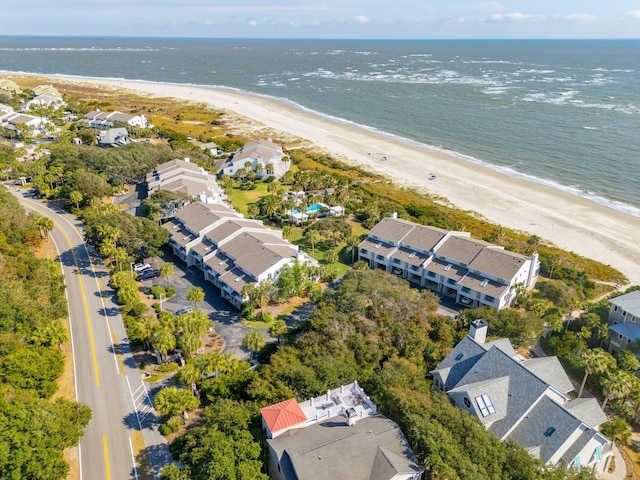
368,450
550,370
629,302
446,269
483,285
411,257
392,229
461,249
376,247
588,410
535,429
524,387
459,361
197,216
498,262
424,238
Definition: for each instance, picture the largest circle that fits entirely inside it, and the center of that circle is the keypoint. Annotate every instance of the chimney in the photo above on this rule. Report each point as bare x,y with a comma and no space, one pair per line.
394,214
187,159
478,330
533,270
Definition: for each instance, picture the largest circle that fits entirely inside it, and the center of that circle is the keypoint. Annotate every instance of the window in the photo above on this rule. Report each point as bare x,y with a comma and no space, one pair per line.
624,314
467,403
615,308
485,405
598,452
489,298
451,281
431,274
465,290
395,260
619,336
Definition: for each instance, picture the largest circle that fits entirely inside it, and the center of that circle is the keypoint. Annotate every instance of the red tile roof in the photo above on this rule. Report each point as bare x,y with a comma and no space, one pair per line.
282,415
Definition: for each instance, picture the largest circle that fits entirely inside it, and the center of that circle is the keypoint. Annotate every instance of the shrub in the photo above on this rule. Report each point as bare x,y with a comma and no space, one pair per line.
170,292
168,367
142,365
165,429
174,424
269,179
157,290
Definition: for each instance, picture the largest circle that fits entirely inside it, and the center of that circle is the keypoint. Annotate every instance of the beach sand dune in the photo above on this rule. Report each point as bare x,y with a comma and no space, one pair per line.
568,221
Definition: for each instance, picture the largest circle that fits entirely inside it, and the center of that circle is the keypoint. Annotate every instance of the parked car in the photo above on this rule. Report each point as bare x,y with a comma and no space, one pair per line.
465,300
148,274
139,267
183,310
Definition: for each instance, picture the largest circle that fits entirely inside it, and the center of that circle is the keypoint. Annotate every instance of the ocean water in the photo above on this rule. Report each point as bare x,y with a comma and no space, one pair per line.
562,113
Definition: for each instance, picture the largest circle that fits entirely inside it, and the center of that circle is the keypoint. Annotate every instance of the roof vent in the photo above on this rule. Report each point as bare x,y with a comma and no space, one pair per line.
484,283
378,245
413,254
448,267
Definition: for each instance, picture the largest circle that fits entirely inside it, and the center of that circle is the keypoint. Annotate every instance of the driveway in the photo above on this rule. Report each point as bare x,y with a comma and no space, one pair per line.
225,318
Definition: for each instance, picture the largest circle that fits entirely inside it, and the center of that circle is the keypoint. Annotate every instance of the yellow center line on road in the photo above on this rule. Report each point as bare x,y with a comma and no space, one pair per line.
106,457
84,301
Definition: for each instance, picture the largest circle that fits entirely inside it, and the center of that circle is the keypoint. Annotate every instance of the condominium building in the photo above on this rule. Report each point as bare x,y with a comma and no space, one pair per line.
473,272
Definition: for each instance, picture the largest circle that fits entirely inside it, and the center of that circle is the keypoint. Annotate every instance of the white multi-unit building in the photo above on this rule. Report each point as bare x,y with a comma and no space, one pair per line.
262,156
184,176
473,272
99,119
230,250
21,122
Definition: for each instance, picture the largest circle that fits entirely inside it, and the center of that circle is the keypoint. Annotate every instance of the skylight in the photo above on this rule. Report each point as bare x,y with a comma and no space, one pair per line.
485,405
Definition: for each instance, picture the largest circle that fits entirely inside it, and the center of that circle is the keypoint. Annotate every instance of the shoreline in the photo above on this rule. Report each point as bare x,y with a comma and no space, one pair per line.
569,221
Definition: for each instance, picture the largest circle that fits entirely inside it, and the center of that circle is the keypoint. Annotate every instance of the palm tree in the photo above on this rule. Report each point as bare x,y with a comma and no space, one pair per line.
595,361
352,245
120,256
250,292
76,197
278,329
254,341
167,270
189,375
253,210
331,257
163,341
313,237
617,384
195,295
617,431
287,230
189,342
171,401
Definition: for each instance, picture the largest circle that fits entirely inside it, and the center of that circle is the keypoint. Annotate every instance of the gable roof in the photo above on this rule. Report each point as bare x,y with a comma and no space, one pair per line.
282,415
550,370
374,448
547,426
588,410
629,302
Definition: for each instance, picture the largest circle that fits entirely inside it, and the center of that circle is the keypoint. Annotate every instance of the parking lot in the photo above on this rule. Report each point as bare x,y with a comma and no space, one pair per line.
225,318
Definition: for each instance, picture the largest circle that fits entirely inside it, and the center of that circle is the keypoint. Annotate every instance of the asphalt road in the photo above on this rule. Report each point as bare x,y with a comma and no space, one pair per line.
106,376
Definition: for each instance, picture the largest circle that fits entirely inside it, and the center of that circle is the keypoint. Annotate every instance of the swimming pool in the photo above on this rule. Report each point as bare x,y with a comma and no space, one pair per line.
310,209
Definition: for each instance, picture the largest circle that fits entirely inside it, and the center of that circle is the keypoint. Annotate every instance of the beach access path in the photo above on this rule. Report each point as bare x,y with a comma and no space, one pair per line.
568,221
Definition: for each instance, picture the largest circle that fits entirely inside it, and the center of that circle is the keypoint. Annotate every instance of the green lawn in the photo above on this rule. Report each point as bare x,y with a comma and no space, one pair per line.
240,199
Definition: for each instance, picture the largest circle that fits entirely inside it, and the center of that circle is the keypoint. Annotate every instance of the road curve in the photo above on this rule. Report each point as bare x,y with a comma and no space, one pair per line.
107,379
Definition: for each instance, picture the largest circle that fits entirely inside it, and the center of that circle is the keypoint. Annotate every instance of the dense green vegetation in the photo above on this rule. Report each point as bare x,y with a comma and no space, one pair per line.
33,429
375,329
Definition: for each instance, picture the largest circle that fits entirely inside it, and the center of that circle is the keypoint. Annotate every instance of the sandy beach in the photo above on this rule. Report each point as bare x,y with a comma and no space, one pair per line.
570,222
